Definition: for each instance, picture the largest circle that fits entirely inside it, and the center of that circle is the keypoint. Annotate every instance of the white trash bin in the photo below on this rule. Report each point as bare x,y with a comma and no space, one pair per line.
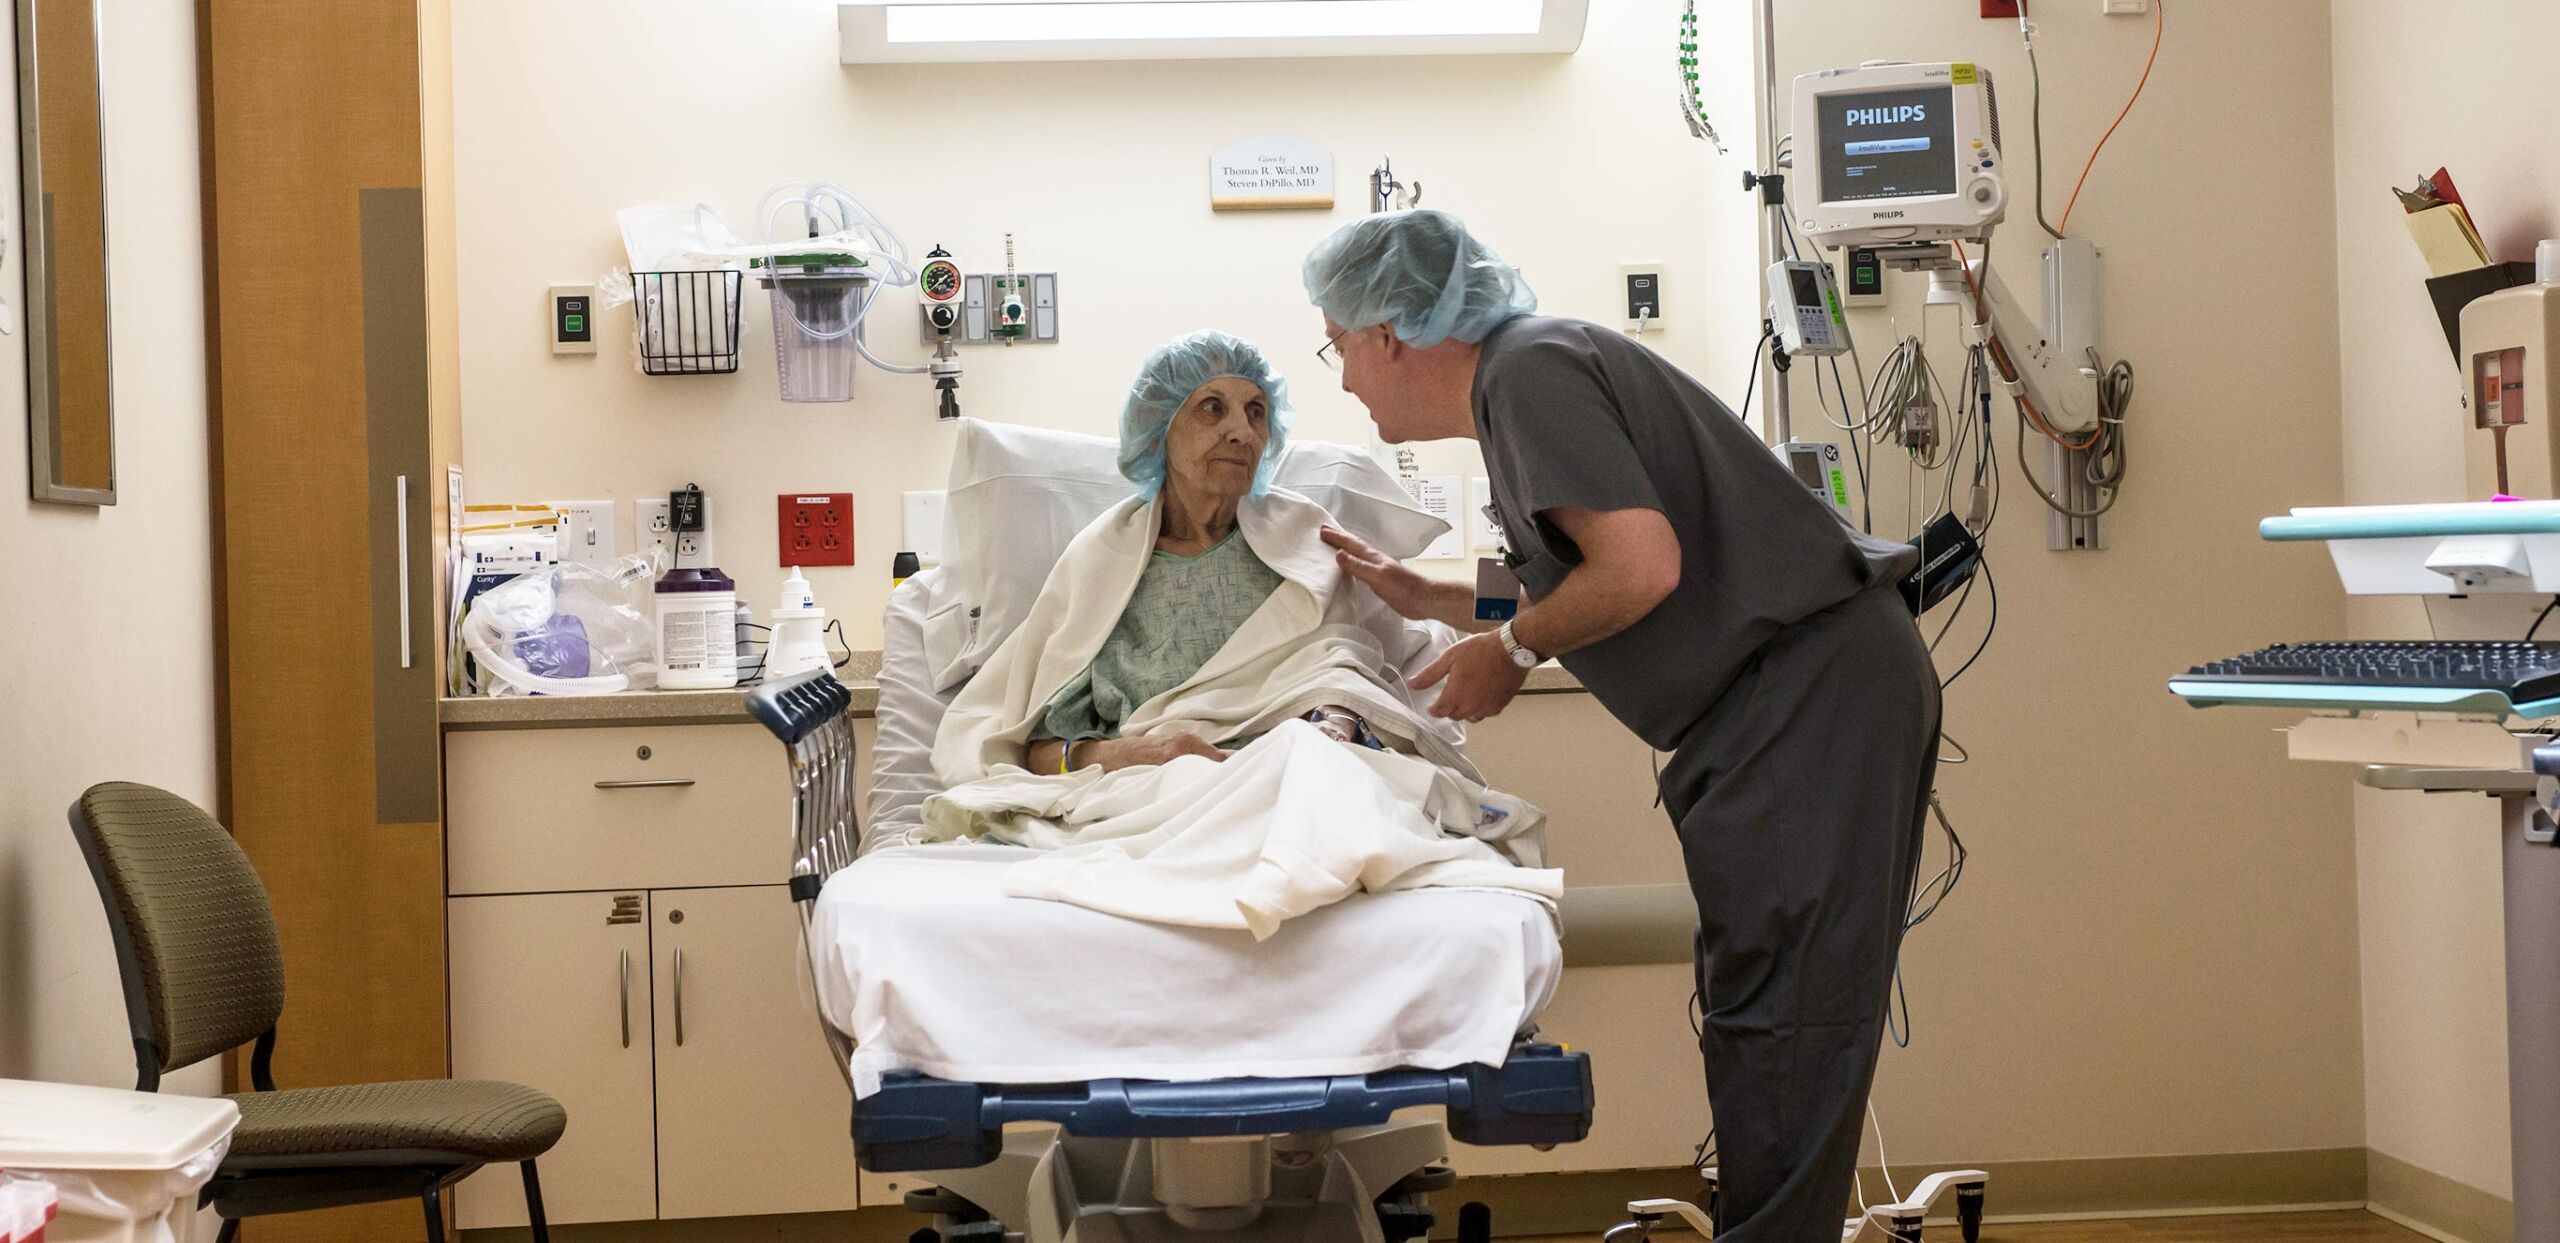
127,1165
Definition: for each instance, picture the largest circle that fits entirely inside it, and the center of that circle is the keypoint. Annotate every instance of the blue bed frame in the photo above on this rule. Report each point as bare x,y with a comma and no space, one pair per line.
1541,1095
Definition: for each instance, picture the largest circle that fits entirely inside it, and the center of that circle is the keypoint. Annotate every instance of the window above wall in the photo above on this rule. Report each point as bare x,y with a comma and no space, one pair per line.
943,31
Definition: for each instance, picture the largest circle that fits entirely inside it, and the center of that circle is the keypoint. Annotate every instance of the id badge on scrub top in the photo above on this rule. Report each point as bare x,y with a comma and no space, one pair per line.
1497,590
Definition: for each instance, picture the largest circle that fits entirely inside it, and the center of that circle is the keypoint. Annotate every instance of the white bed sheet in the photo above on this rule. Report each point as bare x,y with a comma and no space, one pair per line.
925,962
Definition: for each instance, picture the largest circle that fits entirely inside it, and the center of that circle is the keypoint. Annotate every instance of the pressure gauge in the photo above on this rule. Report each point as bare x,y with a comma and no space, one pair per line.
940,280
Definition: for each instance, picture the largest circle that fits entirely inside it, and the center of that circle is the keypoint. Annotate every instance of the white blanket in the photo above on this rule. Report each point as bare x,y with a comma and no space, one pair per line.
927,963
1289,823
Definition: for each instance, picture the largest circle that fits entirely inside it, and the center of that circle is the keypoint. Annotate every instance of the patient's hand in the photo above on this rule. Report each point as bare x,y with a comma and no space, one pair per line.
1115,754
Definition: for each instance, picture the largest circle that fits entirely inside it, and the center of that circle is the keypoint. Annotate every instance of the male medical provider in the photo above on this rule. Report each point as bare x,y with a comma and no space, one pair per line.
1722,612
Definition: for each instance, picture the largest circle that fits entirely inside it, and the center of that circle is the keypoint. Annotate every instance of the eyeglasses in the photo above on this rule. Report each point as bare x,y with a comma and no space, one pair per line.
1330,353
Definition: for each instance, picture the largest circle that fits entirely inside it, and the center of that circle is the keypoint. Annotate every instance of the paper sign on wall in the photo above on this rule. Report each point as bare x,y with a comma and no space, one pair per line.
1443,497
1270,173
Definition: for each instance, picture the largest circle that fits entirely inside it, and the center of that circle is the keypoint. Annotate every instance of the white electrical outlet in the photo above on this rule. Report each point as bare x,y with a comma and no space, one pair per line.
586,531
693,548
1482,535
922,526
650,530
2124,8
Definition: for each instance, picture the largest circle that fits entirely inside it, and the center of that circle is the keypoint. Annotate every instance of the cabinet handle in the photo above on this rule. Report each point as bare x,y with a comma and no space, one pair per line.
400,518
626,999
679,999
661,783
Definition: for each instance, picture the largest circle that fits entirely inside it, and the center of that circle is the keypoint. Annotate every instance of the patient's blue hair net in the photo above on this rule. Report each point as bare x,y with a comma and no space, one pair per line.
1418,272
1171,375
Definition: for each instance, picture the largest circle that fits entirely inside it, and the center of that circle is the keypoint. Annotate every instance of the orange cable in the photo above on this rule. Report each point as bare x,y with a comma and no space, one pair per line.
2160,10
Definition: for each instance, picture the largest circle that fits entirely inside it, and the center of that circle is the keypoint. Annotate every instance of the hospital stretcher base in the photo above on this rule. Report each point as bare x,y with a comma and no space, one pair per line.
1540,1095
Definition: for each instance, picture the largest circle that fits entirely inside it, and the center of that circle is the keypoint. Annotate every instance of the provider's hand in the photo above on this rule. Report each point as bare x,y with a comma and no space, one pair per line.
1400,586
1481,679
1114,754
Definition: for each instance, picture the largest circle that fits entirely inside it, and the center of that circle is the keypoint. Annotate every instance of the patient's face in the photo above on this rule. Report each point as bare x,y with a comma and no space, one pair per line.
1215,444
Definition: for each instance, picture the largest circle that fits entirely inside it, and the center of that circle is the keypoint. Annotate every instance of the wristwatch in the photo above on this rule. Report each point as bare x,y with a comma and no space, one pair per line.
1520,655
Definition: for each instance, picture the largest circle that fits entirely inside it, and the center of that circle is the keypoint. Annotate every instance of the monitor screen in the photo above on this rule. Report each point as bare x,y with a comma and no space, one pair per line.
1808,290
1808,468
1888,144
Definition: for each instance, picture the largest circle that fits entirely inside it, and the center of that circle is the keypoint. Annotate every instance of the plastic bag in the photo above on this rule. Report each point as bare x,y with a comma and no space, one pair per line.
162,1198
568,629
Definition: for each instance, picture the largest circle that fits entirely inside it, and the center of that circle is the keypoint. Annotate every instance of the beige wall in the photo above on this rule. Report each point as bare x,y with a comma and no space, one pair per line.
2154,951
114,620
2434,959
566,112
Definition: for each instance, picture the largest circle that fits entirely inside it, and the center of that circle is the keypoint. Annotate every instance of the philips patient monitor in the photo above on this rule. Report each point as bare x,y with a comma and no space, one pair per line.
1889,153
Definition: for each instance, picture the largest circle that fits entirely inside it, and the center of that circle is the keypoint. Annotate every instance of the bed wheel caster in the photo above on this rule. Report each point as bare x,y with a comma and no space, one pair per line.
1969,1211
1475,1223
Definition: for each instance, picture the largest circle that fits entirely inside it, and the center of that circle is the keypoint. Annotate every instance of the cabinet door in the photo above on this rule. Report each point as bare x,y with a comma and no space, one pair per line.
752,1115
551,990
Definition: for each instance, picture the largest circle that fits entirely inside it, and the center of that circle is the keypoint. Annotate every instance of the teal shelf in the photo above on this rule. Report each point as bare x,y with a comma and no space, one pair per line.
2371,698
2515,518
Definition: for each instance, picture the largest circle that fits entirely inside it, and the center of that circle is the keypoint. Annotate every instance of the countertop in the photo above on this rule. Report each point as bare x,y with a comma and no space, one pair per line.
729,707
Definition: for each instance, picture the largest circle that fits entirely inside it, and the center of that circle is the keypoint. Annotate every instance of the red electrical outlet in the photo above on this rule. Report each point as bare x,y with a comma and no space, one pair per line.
817,528
2000,8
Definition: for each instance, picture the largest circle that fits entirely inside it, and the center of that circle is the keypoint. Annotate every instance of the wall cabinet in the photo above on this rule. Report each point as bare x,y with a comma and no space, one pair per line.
673,1021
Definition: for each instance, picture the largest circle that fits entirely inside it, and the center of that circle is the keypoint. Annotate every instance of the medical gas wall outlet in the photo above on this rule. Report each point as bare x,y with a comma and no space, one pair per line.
816,528
977,316
1642,284
573,319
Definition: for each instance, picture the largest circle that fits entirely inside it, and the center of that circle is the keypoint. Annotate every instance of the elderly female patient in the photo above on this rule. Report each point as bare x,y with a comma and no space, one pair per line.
1200,721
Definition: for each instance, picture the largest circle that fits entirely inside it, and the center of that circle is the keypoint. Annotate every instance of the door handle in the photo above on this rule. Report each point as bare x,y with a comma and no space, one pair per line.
660,783
679,999
626,999
400,521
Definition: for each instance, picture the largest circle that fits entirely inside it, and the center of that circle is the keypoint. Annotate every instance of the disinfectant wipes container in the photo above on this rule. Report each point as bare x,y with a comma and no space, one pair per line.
126,1165
818,303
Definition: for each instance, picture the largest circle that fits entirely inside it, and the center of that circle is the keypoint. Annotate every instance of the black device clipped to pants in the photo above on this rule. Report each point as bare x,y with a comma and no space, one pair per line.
1949,554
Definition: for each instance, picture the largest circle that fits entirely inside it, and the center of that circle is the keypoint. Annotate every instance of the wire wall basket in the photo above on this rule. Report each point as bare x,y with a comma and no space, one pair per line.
686,322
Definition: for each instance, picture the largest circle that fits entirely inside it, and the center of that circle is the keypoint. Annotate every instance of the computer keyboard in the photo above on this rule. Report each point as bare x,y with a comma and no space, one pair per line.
2453,675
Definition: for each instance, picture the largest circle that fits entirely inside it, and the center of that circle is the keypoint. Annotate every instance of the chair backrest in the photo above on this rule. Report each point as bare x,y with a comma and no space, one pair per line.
195,940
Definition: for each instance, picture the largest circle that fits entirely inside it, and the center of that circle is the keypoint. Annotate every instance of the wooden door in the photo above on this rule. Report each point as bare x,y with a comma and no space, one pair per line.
551,990
752,1115
329,470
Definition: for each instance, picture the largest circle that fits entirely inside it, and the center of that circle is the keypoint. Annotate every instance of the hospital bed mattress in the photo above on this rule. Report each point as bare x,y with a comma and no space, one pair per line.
928,965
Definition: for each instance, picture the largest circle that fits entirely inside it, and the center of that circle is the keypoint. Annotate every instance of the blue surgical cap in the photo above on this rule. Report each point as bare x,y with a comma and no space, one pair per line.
1171,375
1418,272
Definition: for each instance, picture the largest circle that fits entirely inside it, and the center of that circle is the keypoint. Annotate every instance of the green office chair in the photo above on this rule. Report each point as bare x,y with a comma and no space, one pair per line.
203,974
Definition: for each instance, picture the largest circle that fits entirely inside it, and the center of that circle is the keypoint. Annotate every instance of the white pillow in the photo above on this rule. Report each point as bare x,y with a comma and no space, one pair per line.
1017,495
909,715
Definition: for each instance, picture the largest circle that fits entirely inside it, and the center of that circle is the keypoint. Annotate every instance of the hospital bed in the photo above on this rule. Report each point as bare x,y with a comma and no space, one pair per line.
1330,1156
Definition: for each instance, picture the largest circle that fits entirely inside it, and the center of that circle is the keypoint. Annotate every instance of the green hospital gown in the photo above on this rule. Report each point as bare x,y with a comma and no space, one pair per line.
1184,610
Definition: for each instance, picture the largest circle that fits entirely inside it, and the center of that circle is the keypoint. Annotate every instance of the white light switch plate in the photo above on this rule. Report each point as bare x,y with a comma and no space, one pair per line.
586,531
1481,535
921,533
2124,8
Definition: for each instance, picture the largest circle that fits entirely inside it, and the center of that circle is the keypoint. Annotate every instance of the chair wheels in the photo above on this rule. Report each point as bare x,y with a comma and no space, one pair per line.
1475,1223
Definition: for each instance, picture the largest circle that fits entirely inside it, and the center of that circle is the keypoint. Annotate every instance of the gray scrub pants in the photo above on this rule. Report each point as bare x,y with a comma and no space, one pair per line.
1800,799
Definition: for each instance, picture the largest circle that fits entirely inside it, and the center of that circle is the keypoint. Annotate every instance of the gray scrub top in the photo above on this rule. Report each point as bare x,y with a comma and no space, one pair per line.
1183,611
1574,414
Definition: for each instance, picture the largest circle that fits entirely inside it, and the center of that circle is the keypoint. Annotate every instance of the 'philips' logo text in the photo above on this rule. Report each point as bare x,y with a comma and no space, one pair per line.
1889,116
